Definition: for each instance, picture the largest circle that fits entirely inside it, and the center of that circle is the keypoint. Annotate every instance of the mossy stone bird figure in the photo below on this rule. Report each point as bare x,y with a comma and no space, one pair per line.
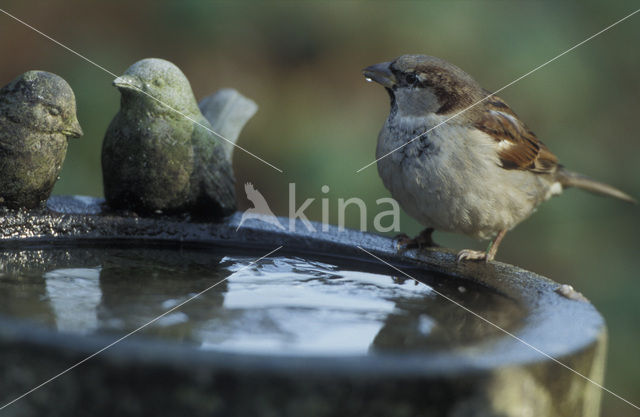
155,158
37,115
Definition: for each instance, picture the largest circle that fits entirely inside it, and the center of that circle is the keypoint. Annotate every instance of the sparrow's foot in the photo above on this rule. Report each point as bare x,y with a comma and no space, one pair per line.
403,241
471,255
488,256
423,240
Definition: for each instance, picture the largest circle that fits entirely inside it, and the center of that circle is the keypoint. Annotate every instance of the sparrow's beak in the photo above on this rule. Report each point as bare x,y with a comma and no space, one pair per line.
74,131
127,82
380,73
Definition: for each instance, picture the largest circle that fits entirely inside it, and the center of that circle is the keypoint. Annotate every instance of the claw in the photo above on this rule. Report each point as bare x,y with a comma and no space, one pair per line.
403,242
423,240
471,255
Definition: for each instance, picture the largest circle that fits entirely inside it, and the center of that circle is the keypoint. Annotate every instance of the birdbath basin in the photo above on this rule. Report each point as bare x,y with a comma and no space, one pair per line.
319,327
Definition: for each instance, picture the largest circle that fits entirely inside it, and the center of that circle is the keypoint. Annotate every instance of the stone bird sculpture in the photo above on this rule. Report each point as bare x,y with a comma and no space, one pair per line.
228,111
37,115
159,155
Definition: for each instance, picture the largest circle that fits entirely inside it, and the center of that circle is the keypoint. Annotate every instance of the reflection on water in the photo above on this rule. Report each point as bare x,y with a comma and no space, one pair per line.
74,295
281,305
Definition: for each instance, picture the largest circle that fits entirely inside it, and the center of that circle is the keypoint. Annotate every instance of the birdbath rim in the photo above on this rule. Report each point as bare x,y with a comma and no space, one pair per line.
554,326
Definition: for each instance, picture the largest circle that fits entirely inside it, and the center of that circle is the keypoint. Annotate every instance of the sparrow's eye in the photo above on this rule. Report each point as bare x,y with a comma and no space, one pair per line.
411,79
54,111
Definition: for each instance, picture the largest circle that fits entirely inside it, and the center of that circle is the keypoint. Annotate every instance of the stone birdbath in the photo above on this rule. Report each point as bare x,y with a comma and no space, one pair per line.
106,313
316,328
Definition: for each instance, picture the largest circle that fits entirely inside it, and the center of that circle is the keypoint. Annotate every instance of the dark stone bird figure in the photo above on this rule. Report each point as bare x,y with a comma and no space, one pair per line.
159,155
37,115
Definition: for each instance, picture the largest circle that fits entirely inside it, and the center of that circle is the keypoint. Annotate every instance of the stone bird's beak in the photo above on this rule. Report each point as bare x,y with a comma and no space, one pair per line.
380,73
74,131
127,82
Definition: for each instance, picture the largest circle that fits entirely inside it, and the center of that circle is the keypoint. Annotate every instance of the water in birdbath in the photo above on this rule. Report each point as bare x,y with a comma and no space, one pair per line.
283,304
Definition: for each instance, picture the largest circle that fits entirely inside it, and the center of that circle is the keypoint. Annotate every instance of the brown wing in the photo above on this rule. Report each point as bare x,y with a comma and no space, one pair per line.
519,147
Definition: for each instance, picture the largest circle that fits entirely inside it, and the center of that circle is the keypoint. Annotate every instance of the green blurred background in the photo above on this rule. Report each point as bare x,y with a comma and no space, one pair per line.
318,119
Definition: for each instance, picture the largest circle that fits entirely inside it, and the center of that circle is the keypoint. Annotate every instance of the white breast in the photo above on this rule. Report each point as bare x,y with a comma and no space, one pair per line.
453,181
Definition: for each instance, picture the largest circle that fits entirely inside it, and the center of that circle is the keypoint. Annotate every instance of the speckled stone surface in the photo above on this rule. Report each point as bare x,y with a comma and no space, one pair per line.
37,114
159,153
503,378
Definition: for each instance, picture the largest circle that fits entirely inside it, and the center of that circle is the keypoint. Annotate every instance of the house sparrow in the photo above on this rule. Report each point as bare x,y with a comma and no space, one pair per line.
37,115
480,173
157,160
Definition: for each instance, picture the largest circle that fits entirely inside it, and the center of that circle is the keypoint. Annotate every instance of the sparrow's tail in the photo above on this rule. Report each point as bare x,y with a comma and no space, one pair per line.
573,179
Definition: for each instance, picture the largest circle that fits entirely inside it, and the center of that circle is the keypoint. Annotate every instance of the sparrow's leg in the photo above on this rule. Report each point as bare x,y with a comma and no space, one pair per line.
476,255
423,240
493,247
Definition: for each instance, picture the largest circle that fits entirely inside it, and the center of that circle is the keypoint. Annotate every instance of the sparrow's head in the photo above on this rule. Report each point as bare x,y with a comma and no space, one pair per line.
420,84
42,101
149,83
